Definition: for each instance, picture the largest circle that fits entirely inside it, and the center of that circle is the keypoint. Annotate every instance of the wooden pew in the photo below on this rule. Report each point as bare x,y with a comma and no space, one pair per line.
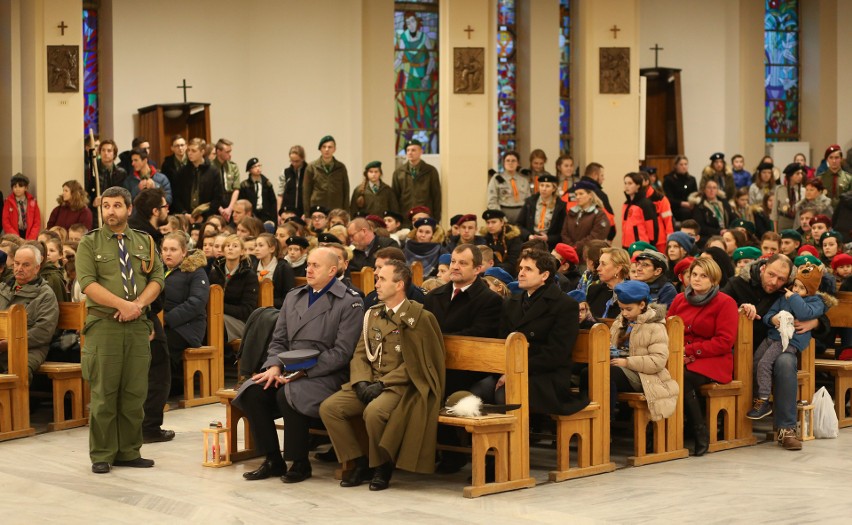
301,281
734,399
507,434
590,425
840,316
668,433
417,273
15,385
265,294
68,377
364,280
208,360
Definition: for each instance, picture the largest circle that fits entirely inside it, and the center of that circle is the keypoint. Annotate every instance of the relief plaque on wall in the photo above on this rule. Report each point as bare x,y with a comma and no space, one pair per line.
615,70
468,70
63,69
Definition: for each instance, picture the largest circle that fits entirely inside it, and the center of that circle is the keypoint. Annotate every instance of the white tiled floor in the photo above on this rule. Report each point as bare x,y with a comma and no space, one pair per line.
47,478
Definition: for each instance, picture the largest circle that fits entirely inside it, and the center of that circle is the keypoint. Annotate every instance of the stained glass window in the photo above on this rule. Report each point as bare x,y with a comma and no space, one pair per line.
507,126
565,77
90,71
781,51
416,73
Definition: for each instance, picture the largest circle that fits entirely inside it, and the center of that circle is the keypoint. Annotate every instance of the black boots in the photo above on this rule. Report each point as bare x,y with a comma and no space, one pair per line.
699,426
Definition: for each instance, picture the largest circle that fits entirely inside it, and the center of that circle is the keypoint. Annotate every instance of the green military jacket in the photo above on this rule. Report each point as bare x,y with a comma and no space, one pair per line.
835,185
231,180
329,189
97,261
418,187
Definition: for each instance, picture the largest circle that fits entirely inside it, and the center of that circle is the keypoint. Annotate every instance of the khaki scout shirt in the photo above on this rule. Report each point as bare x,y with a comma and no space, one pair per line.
97,261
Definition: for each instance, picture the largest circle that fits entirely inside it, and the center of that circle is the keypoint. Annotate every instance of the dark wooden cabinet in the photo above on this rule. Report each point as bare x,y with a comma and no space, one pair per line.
663,118
160,122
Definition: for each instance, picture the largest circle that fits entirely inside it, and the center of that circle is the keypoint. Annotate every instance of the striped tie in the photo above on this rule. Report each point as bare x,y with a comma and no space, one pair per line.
127,279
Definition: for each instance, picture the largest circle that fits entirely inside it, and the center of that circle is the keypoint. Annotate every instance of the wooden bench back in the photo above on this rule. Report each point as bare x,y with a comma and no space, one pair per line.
841,315
13,328
365,280
265,295
592,348
301,281
417,274
497,356
216,334
72,316
674,328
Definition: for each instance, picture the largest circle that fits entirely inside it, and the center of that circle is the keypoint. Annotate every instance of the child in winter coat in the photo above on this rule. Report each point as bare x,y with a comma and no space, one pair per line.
21,215
804,302
640,329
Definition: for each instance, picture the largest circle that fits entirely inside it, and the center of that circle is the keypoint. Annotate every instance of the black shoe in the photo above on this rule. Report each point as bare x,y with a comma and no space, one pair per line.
360,474
100,467
381,477
299,471
265,470
451,462
134,463
158,436
327,457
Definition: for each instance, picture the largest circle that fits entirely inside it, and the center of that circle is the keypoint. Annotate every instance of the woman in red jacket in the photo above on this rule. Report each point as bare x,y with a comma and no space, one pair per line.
710,330
73,207
638,215
26,224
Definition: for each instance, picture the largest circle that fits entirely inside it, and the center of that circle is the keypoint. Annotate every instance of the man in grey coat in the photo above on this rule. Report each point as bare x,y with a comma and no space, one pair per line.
30,290
326,316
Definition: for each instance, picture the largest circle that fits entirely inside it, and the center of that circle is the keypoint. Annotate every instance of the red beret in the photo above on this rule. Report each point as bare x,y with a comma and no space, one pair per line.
682,266
419,209
375,219
465,218
841,259
567,253
831,149
807,248
823,219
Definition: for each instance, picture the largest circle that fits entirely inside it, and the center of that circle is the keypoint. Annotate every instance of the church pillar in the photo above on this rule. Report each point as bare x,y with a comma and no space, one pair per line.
468,137
377,88
821,68
607,127
752,79
51,123
10,96
538,79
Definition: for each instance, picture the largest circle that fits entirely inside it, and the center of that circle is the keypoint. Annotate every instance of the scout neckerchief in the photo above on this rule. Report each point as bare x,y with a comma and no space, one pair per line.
128,281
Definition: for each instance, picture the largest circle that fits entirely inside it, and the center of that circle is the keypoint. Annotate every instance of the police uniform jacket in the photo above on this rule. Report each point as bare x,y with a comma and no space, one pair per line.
411,433
544,322
331,325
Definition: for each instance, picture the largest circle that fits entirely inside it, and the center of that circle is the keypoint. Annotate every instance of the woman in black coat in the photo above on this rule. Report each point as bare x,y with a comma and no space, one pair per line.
543,215
233,272
710,212
185,296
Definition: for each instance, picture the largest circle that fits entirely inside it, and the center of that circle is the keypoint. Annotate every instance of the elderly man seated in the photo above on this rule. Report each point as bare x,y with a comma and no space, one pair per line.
30,290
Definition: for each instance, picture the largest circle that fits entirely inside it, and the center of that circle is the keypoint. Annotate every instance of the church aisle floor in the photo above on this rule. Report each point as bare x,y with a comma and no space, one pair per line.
47,478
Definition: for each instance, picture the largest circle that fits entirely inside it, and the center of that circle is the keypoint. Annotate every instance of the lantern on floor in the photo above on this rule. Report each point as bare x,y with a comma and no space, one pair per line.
215,453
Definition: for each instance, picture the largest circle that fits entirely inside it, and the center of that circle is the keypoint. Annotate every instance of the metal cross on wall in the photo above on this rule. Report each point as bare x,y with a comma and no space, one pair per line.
184,87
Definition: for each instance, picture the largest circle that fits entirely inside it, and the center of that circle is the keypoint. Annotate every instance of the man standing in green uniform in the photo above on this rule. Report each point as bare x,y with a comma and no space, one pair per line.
417,183
326,180
121,274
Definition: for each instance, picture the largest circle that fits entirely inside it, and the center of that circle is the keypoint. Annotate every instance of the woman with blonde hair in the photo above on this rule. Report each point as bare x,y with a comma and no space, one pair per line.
613,268
233,272
73,207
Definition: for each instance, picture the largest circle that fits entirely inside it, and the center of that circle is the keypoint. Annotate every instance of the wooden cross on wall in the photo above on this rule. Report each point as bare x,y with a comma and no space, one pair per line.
656,49
62,27
184,87
615,31
468,30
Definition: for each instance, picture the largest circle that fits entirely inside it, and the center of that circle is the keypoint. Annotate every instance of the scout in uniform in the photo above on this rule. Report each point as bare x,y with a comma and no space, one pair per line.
396,383
121,273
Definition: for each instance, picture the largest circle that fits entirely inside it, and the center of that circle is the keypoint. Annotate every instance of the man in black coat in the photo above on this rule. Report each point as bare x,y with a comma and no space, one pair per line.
150,211
259,192
678,186
366,243
542,312
199,185
463,306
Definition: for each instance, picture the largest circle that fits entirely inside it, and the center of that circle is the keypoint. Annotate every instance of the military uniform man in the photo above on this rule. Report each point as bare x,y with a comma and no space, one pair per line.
326,180
396,384
417,183
121,274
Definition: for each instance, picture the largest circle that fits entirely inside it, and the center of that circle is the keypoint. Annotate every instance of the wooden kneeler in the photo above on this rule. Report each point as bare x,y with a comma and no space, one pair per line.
668,433
590,425
208,360
15,385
